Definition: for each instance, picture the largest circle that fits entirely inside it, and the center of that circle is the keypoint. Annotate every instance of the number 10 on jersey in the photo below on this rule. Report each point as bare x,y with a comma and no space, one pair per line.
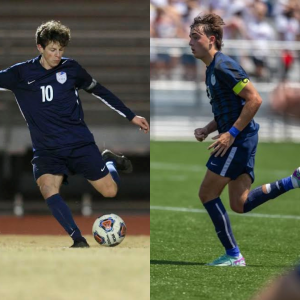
47,92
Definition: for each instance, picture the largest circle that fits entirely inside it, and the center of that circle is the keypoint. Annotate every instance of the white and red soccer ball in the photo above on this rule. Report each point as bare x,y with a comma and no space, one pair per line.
109,230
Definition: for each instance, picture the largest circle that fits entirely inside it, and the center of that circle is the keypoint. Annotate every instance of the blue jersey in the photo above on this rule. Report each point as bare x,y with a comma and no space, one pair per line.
49,102
222,76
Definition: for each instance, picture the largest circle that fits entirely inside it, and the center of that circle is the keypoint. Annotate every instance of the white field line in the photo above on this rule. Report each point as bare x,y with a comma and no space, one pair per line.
203,211
198,168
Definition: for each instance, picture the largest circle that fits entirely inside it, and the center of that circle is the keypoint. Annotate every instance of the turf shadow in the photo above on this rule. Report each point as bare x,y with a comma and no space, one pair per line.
187,263
177,263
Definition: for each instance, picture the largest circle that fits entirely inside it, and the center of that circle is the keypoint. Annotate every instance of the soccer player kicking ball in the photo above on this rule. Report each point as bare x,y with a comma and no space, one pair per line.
234,103
46,90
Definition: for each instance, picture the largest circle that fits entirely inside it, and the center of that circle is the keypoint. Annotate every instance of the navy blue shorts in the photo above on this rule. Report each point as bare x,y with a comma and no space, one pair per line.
86,161
239,159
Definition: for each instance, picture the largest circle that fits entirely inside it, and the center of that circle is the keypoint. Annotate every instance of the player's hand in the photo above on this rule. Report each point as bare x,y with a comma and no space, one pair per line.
141,122
222,144
200,134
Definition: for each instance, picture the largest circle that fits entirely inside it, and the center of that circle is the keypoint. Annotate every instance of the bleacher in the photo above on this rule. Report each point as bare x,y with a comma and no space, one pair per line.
110,39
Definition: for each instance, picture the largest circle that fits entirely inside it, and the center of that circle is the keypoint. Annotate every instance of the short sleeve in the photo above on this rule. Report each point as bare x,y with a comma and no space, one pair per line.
230,73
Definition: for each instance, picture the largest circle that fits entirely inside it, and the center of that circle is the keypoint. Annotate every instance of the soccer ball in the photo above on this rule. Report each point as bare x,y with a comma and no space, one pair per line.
109,230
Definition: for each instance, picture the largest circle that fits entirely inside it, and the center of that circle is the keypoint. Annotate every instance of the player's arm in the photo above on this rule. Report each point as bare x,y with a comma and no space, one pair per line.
9,78
111,100
90,85
202,133
252,104
245,90
116,104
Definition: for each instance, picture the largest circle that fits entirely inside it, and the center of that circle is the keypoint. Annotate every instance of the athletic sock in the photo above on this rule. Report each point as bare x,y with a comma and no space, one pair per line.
257,197
113,171
63,215
219,217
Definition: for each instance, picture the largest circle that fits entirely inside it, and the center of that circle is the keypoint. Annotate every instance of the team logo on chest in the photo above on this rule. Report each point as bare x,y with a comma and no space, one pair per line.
61,77
213,79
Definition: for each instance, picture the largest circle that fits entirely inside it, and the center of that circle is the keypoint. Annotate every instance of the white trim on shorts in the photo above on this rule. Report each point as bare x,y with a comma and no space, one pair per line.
228,161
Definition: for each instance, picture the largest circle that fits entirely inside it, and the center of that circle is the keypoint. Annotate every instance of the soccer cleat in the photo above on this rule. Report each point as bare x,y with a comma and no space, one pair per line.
228,261
122,163
80,244
296,178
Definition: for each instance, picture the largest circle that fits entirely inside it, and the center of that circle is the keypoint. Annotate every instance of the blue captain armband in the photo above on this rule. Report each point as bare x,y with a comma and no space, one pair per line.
234,131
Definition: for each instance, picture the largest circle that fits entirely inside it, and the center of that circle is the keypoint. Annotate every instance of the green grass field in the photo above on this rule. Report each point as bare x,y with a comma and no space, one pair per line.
183,241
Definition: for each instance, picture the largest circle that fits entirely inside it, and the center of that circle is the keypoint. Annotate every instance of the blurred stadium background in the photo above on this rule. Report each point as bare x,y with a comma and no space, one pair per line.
263,36
107,42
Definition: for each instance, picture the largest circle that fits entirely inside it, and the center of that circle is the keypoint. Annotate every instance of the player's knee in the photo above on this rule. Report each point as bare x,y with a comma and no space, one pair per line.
203,196
236,207
110,192
48,190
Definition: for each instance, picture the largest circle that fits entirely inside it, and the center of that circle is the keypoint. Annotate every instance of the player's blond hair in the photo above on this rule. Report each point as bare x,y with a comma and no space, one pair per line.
52,31
212,26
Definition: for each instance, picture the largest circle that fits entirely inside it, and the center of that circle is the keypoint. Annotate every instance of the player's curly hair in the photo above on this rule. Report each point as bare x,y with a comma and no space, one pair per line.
212,26
53,31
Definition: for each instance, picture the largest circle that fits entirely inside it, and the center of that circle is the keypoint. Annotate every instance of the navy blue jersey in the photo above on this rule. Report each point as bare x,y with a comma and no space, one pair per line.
222,76
49,101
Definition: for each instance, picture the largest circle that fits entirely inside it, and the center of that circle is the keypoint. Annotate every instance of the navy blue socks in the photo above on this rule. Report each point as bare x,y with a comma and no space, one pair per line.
257,197
113,172
218,215
63,215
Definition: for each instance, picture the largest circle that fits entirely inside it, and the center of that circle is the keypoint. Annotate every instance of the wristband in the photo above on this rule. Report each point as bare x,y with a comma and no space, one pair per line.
234,131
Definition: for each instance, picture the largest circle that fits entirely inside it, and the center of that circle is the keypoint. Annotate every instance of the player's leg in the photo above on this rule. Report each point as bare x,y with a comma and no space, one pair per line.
120,162
242,200
49,186
99,170
108,185
209,194
226,169
272,190
238,190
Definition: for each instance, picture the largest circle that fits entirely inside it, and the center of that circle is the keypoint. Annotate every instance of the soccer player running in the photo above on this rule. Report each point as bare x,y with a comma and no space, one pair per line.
234,102
46,90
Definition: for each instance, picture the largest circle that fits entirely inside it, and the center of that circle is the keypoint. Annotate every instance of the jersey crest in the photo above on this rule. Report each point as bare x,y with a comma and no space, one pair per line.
213,79
61,77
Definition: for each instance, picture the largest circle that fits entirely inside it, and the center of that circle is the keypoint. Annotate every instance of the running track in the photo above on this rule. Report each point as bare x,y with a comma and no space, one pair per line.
32,224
